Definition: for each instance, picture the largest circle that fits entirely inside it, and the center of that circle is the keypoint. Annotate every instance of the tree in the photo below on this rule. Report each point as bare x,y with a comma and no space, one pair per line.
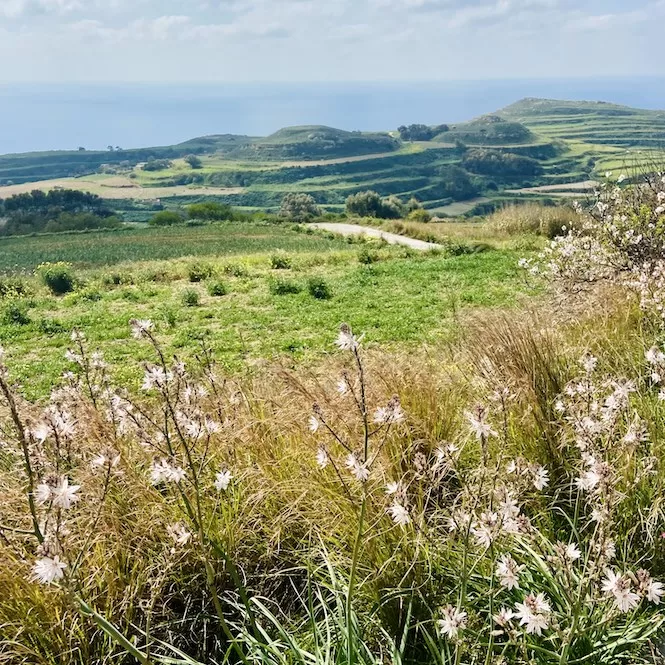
194,161
370,204
299,207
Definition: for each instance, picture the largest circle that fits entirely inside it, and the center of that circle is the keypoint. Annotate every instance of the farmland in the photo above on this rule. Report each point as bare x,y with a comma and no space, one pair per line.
548,142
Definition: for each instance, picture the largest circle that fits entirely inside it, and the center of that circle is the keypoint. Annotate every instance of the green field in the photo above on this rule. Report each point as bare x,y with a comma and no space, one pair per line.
402,297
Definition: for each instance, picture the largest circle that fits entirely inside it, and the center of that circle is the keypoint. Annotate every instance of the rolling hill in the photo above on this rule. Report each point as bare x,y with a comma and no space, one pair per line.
535,148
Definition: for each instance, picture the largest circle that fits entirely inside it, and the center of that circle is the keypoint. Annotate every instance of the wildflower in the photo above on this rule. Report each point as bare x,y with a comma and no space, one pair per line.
390,414
64,495
504,617
42,494
342,387
393,488
533,612
223,480
572,552
314,424
589,363
619,586
508,572
40,432
179,533
359,470
140,327
479,427
399,514
541,478
108,459
346,340
655,592
453,621
485,531
162,471
48,570
176,474
322,458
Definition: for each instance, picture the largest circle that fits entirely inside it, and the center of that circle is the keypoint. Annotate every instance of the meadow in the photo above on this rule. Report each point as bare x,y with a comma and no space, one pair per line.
246,307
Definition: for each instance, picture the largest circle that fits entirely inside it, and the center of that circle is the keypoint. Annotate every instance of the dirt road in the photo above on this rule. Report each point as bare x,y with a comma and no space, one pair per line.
392,238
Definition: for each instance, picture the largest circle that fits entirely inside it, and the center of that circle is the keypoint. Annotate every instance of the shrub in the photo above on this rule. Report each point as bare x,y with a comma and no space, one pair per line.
166,218
210,211
58,277
299,207
281,287
366,256
370,204
50,326
191,298
235,270
198,272
15,313
419,215
217,289
13,287
194,161
318,288
280,261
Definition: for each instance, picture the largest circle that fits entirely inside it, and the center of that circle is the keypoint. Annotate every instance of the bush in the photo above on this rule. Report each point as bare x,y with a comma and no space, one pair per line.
280,261
419,215
318,288
50,327
191,298
58,277
210,211
299,207
194,161
198,272
15,313
235,270
217,289
157,165
166,218
281,287
370,204
13,287
367,257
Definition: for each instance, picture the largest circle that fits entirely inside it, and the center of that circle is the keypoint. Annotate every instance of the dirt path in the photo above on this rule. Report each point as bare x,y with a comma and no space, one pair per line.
569,188
392,238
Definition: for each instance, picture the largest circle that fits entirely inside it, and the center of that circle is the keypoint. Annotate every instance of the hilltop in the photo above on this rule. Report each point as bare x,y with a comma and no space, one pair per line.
535,148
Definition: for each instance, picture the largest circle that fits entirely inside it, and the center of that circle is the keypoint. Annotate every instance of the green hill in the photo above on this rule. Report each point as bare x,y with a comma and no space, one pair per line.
318,142
488,130
591,122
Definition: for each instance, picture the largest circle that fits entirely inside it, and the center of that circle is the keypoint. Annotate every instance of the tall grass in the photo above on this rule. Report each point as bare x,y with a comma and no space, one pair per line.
296,563
548,221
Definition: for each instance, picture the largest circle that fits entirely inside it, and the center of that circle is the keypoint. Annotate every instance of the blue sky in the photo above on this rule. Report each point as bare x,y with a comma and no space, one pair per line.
326,40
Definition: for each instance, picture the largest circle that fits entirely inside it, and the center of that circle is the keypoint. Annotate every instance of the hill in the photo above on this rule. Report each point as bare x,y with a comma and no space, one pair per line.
591,122
533,149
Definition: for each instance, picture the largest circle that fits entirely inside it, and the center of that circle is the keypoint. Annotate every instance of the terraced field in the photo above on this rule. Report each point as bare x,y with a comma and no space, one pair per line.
560,144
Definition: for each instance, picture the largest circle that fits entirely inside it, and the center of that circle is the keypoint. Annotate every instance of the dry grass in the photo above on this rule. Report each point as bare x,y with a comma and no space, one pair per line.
533,218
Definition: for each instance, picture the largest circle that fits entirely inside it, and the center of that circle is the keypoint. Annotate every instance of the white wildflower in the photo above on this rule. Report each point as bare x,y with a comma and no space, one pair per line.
322,458
179,533
508,572
453,621
533,613
64,495
223,480
541,478
48,570
399,514
314,424
140,327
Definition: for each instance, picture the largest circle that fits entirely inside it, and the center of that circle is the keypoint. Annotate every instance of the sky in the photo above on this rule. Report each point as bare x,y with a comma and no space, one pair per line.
326,40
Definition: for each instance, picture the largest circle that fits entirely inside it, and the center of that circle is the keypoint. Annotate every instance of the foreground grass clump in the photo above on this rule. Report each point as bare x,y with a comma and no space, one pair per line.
388,508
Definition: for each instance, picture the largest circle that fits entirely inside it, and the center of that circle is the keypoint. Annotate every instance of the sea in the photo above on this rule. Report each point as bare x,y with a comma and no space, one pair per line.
37,117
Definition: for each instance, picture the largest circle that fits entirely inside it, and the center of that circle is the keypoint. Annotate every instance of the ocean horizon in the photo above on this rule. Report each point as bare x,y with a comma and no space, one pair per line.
41,117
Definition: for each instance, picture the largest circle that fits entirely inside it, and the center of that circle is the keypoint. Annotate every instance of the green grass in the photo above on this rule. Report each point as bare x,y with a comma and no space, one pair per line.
140,244
402,300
